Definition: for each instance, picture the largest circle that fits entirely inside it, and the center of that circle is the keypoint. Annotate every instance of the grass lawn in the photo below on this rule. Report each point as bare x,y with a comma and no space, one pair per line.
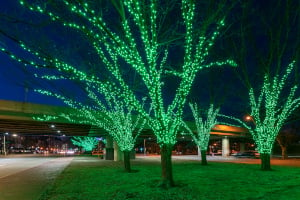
89,178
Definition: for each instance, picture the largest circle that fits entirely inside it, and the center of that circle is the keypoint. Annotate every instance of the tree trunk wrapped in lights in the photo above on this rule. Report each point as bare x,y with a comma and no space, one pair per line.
268,113
137,45
166,162
203,128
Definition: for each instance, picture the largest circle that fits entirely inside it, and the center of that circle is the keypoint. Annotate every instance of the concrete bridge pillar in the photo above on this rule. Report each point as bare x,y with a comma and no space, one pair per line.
225,146
242,147
109,148
118,155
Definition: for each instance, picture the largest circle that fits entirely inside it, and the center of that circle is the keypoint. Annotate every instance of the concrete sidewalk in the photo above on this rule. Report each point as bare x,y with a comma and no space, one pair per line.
30,183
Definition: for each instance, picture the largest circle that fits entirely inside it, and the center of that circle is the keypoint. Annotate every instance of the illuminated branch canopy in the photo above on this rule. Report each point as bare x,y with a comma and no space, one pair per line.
148,59
203,126
118,120
268,112
133,42
88,143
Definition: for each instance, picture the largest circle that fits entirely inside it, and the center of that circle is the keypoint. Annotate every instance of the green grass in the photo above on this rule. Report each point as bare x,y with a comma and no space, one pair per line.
100,179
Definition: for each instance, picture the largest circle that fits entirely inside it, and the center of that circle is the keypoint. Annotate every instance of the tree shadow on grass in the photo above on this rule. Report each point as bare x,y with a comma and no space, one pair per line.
157,183
134,171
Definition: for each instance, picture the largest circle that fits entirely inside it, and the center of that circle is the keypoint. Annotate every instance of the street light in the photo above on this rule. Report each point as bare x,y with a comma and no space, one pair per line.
145,147
250,118
4,147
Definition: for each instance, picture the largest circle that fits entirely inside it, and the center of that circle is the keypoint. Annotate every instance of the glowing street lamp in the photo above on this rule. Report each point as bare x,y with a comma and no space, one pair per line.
250,118
4,147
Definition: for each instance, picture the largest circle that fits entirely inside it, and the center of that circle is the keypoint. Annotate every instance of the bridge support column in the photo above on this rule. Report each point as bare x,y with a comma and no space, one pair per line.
109,149
199,151
242,147
225,146
118,155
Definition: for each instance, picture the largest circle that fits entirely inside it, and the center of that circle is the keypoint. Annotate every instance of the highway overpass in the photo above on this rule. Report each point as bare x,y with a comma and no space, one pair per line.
17,117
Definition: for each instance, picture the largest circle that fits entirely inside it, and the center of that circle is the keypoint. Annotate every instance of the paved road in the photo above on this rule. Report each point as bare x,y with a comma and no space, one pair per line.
26,178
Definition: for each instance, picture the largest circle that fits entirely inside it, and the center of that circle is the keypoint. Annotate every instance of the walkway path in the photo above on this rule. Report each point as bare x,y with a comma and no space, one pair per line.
27,178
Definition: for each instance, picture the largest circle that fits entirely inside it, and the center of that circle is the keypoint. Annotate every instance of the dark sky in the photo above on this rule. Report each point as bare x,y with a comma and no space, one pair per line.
14,85
15,82
220,85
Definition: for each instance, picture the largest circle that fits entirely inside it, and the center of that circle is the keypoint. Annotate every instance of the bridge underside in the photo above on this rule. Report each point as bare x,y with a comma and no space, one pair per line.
25,127
17,117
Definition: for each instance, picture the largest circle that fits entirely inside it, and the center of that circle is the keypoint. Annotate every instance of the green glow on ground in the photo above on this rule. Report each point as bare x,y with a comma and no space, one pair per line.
106,180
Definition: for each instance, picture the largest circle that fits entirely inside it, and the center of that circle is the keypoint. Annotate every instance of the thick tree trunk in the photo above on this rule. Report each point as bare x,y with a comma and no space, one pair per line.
283,152
127,161
166,166
203,157
265,161
283,147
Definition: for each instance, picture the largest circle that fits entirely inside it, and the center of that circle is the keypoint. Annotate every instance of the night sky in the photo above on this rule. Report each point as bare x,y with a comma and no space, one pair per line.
14,85
224,86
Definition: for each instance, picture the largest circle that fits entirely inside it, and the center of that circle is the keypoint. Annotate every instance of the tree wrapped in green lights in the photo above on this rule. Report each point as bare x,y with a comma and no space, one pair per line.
203,128
269,113
121,123
109,113
87,143
137,45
